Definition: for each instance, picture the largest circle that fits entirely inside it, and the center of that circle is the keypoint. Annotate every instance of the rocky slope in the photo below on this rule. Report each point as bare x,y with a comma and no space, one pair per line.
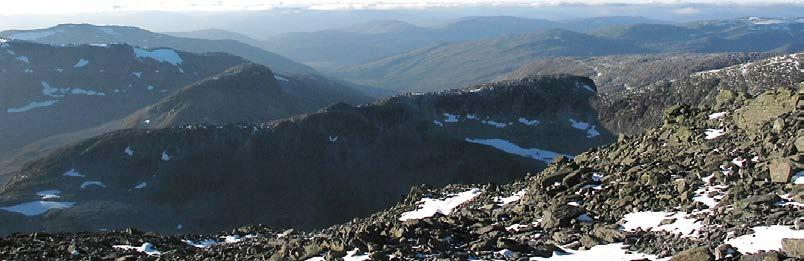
635,110
708,184
309,171
246,94
618,73
49,90
91,34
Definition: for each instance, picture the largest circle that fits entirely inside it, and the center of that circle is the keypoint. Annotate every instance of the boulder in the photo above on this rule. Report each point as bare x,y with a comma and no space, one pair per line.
780,170
560,215
793,247
695,254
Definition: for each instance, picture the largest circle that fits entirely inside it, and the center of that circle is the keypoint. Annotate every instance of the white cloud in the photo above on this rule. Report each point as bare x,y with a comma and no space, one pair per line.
16,7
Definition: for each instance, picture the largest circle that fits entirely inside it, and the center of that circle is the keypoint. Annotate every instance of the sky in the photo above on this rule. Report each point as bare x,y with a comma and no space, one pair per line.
44,7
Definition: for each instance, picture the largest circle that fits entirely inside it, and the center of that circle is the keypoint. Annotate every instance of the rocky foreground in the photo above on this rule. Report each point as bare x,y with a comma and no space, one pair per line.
719,183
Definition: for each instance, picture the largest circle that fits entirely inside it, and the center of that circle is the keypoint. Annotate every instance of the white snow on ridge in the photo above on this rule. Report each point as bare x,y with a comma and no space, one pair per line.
507,146
141,185
764,239
714,133
430,207
495,124
591,130
650,220
513,198
161,55
36,208
48,90
108,31
23,59
281,78
717,115
146,248
49,194
798,178
87,184
353,256
81,63
611,252
529,122
31,106
73,173
30,36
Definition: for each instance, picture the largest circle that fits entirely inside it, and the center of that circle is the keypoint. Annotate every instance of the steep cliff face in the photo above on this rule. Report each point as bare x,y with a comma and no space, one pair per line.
312,170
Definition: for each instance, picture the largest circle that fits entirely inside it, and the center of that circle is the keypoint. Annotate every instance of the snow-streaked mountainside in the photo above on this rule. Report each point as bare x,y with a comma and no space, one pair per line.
49,90
246,94
312,170
669,192
92,34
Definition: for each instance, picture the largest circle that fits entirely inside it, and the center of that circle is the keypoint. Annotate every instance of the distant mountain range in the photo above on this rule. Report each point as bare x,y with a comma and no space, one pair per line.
91,34
459,64
364,42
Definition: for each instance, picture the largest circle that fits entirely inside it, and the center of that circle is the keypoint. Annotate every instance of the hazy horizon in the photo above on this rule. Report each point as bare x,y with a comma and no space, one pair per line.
298,17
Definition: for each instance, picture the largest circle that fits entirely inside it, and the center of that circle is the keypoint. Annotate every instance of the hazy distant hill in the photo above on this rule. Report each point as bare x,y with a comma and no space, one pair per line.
458,64
91,34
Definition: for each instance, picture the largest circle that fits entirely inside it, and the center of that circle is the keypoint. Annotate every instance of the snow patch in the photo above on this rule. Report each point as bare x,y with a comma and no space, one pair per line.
507,146
717,115
764,239
87,184
353,256
56,92
159,55
513,198
31,106
165,156
430,207
529,122
30,36
141,185
281,78
798,178
36,208
81,63
333,138
438,123
49,194
495,124
137,74
650,220
450,118
108,31
23,59
128,151
591,130
714,133
73,173
146,248
202,244
616,251
710,195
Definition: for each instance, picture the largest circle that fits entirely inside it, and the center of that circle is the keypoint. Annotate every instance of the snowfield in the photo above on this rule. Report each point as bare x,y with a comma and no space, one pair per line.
430,207
36,208
159,55
504,145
